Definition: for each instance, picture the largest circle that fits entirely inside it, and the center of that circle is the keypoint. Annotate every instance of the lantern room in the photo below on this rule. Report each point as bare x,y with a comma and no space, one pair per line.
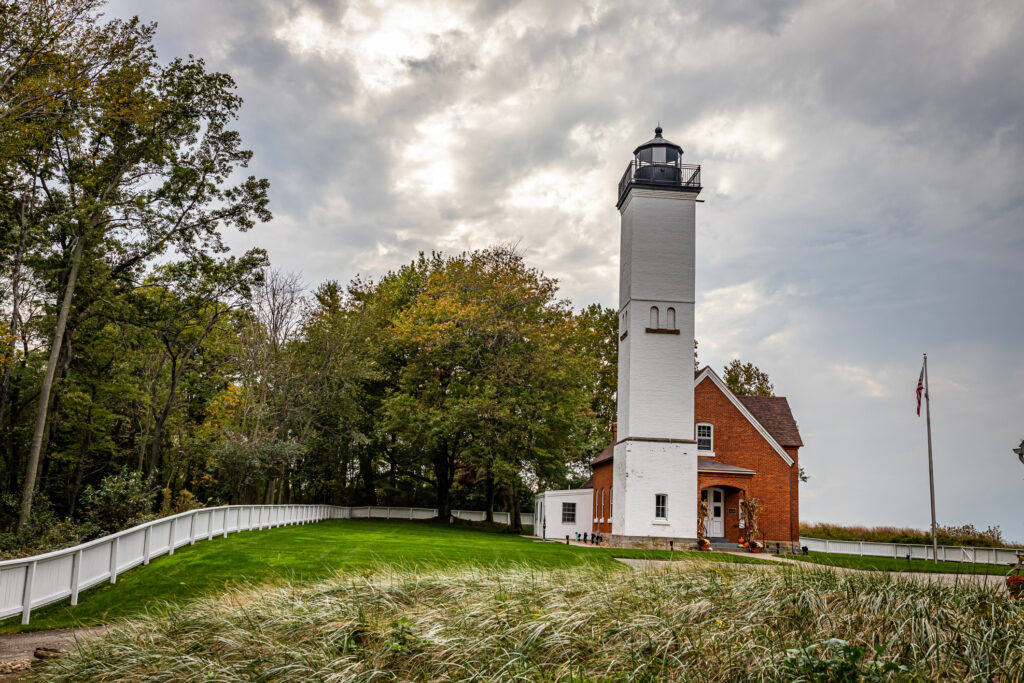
658,163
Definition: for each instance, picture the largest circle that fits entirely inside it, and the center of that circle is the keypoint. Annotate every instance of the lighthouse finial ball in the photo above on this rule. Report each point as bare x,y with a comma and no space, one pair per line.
657,131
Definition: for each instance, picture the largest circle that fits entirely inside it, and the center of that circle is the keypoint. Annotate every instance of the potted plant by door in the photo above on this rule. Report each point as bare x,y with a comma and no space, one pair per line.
1015,581
702,511
750,509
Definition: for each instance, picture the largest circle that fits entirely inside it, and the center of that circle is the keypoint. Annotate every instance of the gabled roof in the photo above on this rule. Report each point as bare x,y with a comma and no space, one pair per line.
607,454
773,412
708,374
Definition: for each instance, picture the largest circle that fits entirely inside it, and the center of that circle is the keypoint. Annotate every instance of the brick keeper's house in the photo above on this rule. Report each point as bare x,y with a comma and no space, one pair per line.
746,446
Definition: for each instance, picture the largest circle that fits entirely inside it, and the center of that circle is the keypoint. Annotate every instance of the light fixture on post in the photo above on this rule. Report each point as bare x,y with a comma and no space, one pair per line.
1019,450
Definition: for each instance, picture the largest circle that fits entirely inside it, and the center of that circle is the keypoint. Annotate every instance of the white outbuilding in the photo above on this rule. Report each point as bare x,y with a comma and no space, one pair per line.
558,514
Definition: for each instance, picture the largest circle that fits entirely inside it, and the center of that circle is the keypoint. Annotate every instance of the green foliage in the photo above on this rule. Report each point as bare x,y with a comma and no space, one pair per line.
135,344
172,503
120,501
109,161
44,532
746,379
839,661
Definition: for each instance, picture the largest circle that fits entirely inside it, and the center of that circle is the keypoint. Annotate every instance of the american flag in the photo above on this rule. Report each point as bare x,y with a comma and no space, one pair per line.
920,390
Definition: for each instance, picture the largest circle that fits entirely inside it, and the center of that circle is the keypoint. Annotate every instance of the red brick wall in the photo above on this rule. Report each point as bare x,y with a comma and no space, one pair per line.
602,487
737,442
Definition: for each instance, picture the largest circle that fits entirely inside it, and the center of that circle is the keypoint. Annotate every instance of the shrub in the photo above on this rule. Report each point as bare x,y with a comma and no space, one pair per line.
44,531
121,501
172,503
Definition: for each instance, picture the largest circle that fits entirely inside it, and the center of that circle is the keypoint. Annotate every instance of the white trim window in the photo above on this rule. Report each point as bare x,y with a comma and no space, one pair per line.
568,513
660,506
705,437
654,318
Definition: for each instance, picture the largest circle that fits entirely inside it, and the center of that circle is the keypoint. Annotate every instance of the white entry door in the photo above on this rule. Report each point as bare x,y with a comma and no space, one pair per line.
714,523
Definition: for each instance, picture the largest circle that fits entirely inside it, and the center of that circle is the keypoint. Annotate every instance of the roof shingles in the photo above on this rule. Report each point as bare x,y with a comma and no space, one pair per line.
775,416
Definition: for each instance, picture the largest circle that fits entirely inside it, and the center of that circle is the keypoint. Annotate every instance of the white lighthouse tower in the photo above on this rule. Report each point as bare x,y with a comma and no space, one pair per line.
655,466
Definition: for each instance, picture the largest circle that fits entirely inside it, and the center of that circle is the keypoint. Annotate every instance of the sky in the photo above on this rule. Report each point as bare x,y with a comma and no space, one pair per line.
863,170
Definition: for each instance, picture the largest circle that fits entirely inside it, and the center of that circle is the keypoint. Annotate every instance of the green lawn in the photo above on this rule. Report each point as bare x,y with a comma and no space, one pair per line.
889,564
315,551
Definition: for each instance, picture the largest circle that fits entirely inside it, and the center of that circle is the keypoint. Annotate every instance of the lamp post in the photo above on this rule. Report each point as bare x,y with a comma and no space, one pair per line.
1019,450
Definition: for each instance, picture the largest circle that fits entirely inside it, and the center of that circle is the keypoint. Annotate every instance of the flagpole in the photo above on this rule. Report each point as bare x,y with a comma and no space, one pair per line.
931,467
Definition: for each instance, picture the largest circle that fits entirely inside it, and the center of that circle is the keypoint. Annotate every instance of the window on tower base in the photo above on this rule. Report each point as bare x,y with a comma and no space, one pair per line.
660,506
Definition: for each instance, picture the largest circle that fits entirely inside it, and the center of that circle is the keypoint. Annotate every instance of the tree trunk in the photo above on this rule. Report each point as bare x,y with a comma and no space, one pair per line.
517,521
159,419
5,380
392,481
178,365
47,387
80,467
368,476
489,492
444,475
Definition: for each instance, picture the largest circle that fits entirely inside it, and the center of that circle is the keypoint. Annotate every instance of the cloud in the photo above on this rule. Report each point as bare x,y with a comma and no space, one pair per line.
865,380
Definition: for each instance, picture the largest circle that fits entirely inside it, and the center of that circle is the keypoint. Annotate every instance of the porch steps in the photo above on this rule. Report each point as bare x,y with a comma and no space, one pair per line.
722,545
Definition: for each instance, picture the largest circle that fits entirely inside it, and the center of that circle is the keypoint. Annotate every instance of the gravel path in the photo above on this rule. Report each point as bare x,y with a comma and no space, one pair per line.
17,650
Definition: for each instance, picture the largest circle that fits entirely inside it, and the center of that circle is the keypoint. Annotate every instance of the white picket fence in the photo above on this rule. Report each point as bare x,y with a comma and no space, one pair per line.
30,582
947,553
384,512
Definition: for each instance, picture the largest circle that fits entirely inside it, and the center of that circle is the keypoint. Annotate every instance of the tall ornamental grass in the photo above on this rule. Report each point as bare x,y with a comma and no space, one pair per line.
706,622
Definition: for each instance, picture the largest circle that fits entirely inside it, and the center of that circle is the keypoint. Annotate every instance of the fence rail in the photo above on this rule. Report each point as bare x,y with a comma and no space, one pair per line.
947,553
384,512
30,582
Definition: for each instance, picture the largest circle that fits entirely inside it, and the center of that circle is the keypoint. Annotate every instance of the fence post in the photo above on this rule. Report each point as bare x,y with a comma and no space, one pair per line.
76,569
226,511
113,558
145,545
174,535
30,577
209,526
192,529
861,548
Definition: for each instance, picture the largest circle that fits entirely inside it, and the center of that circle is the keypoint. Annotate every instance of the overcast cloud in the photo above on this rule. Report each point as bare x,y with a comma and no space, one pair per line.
863,167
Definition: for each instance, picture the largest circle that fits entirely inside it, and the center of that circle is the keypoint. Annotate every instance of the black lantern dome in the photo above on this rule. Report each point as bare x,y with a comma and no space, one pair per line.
659,143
